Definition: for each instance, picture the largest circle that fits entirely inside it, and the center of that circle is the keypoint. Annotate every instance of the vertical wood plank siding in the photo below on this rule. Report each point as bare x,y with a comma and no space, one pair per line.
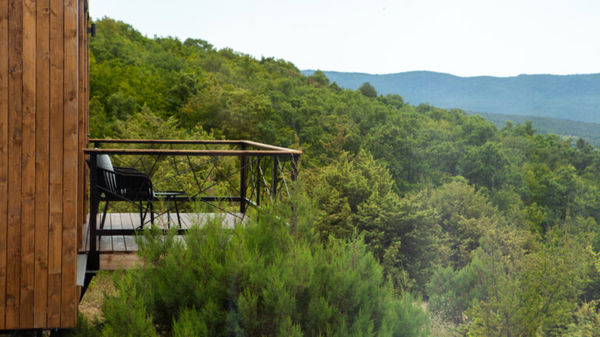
15,152
83,97
56,162
71,141
42,160
43,130
3,156
28,163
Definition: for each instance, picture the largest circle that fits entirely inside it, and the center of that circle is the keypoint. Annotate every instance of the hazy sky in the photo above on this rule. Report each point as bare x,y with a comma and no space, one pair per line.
460,37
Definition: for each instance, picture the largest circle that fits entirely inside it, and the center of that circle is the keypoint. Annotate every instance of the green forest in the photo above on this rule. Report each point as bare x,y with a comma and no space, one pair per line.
406,220
562,127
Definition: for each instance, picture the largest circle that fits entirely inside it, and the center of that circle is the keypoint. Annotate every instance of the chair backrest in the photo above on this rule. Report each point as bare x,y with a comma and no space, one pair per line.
107,181
122,183
104,162
133,184
128,184
106,174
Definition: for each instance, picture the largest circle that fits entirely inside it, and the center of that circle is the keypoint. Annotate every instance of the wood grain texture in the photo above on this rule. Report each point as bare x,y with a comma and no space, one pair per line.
86,97
86,106
82,117
43,130
69,300
28,164
4,103
118,242
42,159
56,163
15,149
106,242
127,223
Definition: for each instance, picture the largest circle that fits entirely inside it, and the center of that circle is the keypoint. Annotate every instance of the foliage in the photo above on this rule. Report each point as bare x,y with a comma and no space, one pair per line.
463,215
435,195
368,90
545,125
451,292
270,278
126,314
587,321
85,328
531,292
347,190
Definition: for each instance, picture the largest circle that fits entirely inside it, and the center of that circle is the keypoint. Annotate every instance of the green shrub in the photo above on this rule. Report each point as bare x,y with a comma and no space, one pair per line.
125,312
451,292
271,278
85,327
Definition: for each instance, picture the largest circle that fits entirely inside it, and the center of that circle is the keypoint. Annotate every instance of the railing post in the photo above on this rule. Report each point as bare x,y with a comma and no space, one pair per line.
94,255
274,176
243,172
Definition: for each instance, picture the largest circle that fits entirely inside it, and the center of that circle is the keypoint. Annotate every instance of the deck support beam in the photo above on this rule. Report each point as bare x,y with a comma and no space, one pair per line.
94,254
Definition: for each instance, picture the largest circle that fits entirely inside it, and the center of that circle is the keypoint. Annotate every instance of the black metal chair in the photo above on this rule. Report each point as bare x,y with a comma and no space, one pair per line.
125,184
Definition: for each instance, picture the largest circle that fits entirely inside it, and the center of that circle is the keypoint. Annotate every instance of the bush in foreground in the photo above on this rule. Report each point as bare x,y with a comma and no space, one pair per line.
271,278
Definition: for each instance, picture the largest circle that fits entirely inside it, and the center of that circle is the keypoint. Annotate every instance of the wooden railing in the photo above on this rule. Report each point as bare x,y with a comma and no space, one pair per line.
252,174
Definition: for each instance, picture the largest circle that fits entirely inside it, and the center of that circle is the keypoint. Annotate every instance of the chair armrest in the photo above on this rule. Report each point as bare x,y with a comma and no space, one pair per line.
129,184
128,170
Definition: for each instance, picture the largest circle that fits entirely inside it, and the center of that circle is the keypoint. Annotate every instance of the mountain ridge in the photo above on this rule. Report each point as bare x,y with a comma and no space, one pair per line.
572,97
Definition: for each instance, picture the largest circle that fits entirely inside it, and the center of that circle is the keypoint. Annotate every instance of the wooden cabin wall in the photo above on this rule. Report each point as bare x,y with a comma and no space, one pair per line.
43,116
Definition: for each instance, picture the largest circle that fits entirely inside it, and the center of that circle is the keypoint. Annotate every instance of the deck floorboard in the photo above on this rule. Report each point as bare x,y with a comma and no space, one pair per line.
127,223
119,252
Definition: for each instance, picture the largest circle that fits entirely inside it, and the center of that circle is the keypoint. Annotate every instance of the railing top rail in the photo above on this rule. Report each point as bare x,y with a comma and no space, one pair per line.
214,153
264,148
269,147
165,141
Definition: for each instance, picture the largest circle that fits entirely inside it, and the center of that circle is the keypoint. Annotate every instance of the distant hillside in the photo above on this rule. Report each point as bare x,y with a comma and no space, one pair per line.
572,97
546,125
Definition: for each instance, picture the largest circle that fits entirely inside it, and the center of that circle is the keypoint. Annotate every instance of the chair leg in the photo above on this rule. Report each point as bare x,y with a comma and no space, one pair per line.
144,212
104,215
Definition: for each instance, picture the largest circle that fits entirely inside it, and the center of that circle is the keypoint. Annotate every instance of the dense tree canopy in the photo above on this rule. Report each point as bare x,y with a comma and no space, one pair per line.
452,207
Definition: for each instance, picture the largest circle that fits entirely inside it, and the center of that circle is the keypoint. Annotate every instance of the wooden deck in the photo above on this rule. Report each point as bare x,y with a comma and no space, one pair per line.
119,252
